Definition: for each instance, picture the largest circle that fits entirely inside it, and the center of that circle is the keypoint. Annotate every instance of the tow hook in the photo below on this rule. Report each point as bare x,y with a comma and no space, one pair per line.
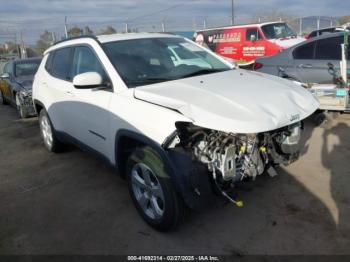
238,203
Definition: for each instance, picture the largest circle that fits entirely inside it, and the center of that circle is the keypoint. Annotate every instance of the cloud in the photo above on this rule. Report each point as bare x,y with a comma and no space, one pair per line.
33,17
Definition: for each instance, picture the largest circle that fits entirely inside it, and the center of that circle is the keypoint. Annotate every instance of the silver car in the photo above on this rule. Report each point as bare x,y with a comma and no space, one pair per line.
308,62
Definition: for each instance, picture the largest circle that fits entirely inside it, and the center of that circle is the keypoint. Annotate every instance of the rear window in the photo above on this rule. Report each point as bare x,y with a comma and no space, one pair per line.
27,68
305,51
61,64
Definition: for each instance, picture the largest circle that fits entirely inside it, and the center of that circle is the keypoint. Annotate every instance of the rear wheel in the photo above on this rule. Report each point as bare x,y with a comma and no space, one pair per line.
48,133
152,191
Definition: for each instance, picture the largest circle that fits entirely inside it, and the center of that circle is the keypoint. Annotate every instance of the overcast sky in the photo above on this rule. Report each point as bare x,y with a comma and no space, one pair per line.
33,16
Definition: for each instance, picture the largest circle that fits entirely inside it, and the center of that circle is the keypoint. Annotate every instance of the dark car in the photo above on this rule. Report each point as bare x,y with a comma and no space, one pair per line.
328,30
308,62
16,85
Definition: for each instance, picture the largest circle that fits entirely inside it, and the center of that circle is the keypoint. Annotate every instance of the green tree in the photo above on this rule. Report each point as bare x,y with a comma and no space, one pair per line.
108,31
75,31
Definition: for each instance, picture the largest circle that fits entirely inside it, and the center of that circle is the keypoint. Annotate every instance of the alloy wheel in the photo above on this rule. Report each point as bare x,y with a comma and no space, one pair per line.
147,191
46,130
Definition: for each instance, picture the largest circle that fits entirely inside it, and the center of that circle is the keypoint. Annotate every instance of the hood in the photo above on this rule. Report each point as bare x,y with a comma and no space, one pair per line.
235,101
25,81
288,42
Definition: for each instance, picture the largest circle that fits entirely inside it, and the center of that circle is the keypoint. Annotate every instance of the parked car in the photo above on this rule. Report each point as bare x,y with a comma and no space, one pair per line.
16,85
176,132
308,62
245,43
328,30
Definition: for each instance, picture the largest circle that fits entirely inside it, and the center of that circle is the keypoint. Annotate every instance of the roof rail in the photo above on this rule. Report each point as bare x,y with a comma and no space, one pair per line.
77,37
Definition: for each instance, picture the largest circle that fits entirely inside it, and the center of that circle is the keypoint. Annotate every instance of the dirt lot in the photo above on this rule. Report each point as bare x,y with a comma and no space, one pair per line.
73,203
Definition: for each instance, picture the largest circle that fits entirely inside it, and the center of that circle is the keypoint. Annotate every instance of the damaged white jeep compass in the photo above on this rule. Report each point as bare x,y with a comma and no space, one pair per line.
178,127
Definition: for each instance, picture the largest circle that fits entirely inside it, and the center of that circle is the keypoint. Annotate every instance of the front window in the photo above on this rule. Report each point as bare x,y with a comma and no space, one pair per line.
152,60
28,68
278,30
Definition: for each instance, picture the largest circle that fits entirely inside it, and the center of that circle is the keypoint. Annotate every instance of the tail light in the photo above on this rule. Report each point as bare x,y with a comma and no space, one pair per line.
257,66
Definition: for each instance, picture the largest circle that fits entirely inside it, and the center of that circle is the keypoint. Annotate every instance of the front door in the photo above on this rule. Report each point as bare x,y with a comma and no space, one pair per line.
90,109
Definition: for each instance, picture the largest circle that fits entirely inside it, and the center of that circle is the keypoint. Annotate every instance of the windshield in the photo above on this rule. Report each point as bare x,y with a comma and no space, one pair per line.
279,30
152,60
27,68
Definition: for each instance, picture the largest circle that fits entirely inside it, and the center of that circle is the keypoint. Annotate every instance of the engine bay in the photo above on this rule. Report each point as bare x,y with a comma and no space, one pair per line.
233,158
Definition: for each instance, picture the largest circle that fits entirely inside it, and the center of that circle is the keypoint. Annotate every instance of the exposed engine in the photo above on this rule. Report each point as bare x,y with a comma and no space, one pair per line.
231,158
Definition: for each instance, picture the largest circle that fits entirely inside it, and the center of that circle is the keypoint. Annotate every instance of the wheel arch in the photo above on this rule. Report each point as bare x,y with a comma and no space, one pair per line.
127,141
38,106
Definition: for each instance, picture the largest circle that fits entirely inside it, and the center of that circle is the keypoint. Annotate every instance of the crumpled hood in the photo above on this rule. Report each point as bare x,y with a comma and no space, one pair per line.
235,101
25,81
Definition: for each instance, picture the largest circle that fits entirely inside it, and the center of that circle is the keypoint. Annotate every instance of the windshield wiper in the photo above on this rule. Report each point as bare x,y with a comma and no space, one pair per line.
147,81
204,72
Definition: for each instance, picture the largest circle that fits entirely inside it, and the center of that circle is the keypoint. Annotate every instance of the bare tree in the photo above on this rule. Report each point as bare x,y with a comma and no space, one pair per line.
273,16
75,31
344,19
108,31
88,31
44,42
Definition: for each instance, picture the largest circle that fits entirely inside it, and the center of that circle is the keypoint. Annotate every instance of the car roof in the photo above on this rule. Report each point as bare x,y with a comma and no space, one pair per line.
335,34
241,26
101,39
129,36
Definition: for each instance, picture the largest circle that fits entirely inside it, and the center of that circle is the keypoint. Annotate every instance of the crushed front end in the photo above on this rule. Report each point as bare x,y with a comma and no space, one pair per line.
230,159
26,102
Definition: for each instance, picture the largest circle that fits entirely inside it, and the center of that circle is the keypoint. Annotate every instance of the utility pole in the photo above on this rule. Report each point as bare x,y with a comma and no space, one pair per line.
232,12
163,26
65,26
126,27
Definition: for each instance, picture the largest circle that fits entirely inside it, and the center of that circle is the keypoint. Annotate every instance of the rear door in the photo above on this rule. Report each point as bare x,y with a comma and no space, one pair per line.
312,59
328,51
60,86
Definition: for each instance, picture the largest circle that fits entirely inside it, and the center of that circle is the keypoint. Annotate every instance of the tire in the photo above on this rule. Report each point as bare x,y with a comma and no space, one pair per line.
48,133
2,99
22,113
152,191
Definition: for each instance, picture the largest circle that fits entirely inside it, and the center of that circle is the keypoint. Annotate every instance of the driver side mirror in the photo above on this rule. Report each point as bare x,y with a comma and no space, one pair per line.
5,76
87,80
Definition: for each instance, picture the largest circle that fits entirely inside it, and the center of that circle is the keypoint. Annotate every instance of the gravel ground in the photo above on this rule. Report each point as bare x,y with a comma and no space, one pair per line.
73,203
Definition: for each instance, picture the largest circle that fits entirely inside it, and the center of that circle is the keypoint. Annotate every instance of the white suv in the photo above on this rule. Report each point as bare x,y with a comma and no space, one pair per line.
177,131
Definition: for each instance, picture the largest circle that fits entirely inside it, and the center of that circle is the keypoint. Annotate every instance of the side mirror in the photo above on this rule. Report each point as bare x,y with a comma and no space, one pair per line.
253,38
87,80
5,76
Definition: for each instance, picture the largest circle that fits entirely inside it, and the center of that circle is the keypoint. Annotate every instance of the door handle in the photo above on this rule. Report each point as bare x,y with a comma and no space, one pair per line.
305,66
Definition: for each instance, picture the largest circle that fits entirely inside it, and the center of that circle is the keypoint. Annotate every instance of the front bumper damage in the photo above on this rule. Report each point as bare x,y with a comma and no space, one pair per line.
26,102
207,161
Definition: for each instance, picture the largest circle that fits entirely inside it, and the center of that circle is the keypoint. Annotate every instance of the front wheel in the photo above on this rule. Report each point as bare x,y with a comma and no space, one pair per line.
152,191
48,133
